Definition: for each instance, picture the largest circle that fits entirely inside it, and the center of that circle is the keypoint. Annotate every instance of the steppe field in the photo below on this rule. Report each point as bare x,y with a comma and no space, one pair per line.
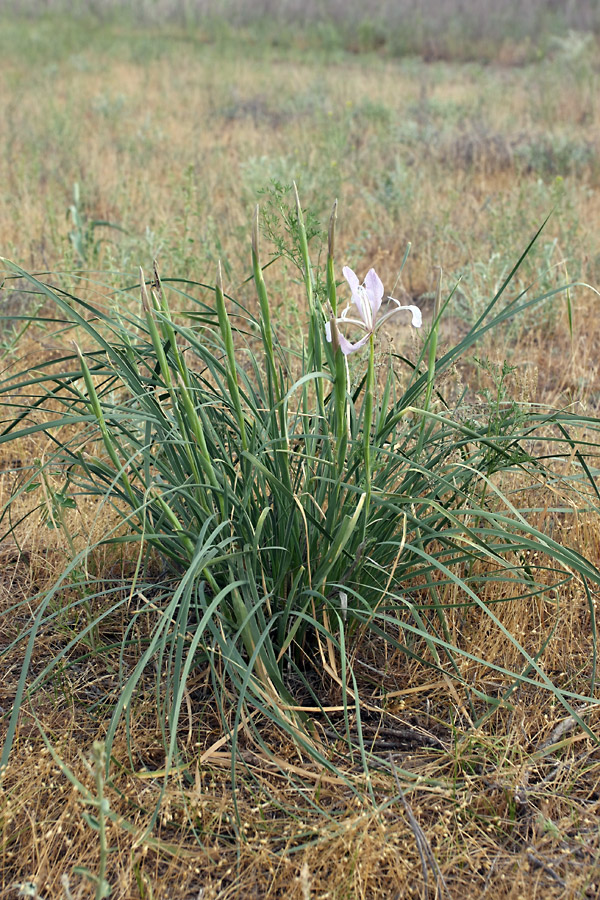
299,569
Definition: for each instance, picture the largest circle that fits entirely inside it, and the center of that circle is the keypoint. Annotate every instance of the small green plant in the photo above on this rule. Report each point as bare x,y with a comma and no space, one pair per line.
98,821
82,235
55,502
300,499
280,222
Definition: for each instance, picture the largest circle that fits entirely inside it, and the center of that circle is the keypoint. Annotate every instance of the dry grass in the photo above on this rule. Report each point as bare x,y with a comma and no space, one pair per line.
171,140
503,813
172,137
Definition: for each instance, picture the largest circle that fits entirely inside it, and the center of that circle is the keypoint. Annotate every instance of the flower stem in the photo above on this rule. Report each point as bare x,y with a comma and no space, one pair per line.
367,423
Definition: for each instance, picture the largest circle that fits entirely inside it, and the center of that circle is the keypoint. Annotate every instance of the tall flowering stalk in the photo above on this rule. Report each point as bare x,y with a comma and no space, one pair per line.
341,411
363,312
367,424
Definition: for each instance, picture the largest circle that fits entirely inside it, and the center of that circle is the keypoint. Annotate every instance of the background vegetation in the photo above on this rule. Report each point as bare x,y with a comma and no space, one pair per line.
438,29
150,130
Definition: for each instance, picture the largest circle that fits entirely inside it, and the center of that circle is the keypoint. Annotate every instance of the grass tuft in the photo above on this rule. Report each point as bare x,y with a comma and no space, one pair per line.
300,510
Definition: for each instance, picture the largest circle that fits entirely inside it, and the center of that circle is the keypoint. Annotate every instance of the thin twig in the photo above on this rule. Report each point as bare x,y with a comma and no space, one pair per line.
423,845
540,864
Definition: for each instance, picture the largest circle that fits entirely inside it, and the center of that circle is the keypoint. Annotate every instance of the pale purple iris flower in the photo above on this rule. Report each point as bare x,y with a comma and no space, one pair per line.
363,311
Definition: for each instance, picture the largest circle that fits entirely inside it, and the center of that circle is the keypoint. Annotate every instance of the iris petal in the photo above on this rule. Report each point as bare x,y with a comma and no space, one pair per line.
417,318
351,278
347,348
362,301
374,288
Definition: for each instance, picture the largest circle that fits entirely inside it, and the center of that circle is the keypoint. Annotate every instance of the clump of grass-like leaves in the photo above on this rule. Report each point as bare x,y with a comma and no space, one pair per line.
297,505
